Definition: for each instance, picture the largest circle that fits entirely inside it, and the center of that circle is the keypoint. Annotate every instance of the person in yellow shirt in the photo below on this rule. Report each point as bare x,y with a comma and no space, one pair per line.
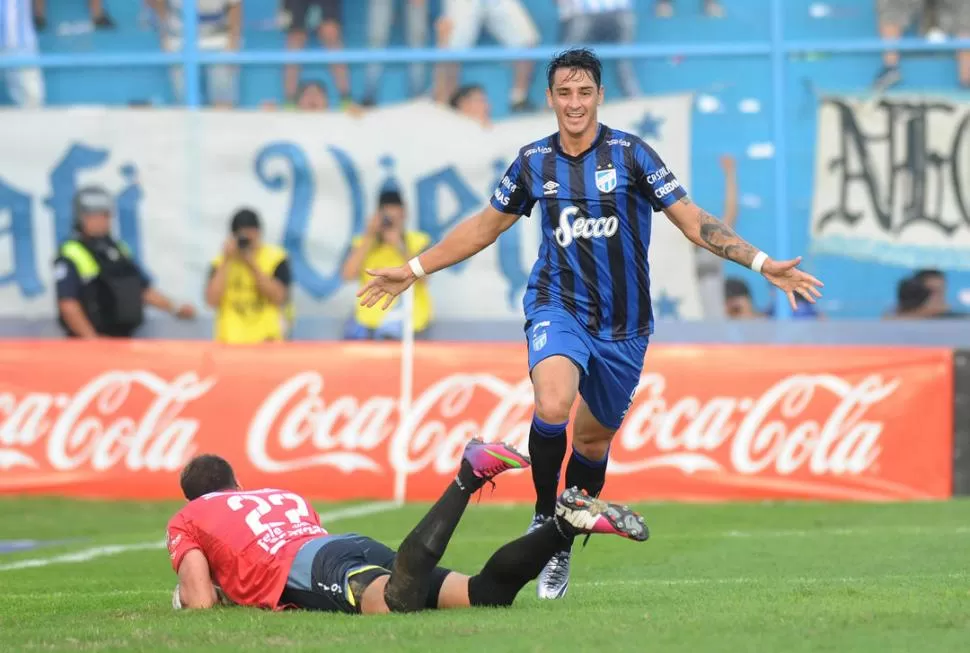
386,242
249,286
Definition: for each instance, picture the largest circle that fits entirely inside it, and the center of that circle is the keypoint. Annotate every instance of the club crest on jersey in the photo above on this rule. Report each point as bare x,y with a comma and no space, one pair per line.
606,180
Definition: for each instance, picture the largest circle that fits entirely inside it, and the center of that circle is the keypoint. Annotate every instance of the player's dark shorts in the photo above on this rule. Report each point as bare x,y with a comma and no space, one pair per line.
330,573
330,10
609,369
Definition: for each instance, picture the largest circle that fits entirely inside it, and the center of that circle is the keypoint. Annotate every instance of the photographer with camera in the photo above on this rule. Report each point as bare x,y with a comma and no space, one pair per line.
386,243
249,286
101,289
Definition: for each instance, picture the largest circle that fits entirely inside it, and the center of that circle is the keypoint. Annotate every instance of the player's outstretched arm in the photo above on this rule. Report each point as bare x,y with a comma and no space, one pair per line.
195,588
706,231
464,241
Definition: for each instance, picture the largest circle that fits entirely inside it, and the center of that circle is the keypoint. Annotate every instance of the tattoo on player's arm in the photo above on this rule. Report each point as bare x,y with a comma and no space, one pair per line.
721,239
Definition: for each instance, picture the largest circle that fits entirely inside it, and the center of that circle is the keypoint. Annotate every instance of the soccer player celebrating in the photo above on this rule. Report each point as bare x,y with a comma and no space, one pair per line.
266,548
587,303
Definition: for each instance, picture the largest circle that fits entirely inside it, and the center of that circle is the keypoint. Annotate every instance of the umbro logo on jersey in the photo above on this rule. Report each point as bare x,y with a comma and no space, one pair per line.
550,188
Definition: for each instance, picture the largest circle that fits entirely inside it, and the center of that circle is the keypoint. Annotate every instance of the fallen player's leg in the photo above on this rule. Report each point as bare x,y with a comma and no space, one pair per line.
419,553
517,563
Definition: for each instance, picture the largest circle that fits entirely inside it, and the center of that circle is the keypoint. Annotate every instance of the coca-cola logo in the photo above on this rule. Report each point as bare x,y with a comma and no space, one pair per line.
818,424
814,422
96,426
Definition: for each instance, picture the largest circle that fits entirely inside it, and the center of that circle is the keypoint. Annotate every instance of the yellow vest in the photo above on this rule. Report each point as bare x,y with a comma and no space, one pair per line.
386,256
244,316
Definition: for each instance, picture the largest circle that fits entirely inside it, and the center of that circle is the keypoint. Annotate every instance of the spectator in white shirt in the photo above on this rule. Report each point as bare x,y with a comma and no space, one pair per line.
379,21
507,21
583,22
18,38
220,28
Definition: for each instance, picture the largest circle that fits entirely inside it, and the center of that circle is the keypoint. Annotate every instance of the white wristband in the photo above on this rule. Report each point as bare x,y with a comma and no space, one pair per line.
416,268
759,261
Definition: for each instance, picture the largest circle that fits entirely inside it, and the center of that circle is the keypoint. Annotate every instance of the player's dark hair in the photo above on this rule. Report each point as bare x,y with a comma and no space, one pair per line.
576,59
206,473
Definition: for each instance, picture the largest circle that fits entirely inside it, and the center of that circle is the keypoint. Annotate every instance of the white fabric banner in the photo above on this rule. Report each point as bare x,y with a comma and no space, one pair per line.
314,179
892,181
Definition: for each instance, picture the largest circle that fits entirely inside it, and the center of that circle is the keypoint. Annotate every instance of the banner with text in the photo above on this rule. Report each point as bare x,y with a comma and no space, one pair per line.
314,178
120,419
892,181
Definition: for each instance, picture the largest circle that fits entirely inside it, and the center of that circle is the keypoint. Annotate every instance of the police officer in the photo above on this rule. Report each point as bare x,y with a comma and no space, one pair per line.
101,290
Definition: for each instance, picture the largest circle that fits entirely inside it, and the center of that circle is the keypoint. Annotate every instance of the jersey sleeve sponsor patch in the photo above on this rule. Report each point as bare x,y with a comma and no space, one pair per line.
512,194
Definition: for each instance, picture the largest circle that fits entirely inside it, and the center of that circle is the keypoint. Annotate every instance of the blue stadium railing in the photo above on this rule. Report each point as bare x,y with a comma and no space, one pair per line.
776,47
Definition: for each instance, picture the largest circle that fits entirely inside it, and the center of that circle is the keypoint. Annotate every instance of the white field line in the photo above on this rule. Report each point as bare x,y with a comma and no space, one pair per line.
86,555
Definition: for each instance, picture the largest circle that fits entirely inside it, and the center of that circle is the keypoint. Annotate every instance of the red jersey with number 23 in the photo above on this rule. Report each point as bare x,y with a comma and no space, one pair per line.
249,538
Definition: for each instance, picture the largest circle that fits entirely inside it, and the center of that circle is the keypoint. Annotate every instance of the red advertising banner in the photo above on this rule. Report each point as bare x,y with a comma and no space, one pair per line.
119,419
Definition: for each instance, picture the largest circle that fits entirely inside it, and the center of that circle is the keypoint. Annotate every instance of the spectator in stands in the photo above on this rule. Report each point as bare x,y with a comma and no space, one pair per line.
386,243
896,15
912,297
712,8
507,20
936,302
18,38
99,16
379,21
738,304
101,290
472,101
249,286
312,96
220,28
330,33
583,22
710,267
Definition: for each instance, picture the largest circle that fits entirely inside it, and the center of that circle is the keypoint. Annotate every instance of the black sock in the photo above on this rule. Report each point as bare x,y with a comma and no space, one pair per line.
419,553
514,565
547,448
586,474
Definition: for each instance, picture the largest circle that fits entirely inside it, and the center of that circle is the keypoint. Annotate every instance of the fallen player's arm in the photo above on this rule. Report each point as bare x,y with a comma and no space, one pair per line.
195,588
706,231
467,239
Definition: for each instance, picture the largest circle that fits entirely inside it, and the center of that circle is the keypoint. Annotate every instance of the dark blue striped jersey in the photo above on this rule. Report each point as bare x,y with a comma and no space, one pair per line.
596,212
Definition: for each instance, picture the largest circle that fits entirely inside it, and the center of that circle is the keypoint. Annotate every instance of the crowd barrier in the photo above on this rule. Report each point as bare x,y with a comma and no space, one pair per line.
708,422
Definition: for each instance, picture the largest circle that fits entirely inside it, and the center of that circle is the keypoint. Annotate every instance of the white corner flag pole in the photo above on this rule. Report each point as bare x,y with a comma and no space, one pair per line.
405,427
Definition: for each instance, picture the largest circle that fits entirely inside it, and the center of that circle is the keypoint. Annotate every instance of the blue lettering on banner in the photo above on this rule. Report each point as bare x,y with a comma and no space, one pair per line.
127,210
429,189
443,187
21,232
302,189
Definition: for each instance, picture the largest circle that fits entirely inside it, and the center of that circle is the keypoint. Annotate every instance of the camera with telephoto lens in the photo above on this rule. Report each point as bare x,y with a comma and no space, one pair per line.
243,243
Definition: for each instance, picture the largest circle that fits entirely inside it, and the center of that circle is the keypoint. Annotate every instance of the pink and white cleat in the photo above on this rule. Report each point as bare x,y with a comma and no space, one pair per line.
578,513
489,459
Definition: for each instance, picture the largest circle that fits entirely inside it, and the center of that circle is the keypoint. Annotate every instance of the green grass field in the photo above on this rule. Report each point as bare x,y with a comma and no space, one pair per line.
739,577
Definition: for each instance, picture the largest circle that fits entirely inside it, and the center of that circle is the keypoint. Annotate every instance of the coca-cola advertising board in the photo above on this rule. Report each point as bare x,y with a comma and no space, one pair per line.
119,419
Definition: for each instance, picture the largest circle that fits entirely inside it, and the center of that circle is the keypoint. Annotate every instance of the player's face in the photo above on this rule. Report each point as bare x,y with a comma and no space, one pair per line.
574,97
